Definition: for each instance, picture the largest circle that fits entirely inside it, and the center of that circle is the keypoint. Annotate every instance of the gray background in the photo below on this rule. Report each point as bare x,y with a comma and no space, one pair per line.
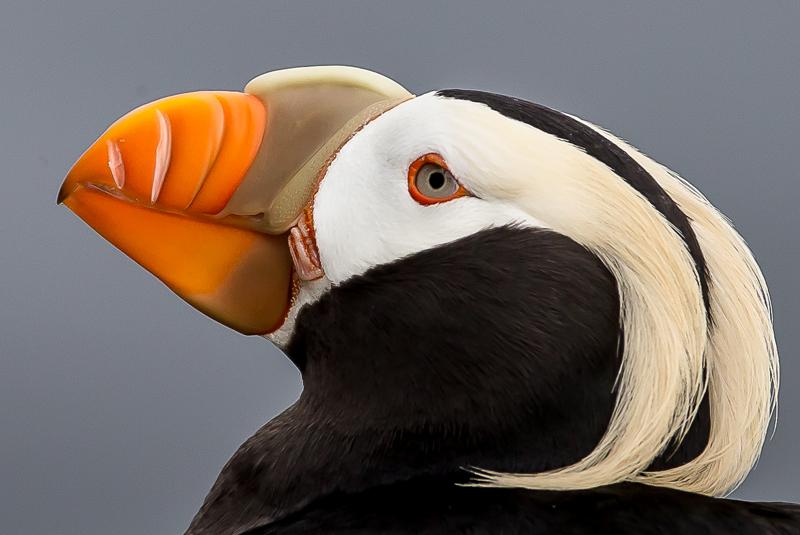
119,403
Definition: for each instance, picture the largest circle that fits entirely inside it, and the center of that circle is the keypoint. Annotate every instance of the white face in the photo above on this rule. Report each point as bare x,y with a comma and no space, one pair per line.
364,214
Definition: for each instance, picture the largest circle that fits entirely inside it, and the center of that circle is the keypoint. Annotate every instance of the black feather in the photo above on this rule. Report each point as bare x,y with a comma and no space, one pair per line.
602,149
427,507
497,351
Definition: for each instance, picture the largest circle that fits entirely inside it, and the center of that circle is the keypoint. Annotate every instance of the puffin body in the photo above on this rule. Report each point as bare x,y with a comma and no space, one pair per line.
439,507
506,319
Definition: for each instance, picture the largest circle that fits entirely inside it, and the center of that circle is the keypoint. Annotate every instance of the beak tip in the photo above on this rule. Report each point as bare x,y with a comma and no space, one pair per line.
65,191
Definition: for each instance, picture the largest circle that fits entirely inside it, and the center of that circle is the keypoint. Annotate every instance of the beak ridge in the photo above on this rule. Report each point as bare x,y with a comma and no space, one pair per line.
202,189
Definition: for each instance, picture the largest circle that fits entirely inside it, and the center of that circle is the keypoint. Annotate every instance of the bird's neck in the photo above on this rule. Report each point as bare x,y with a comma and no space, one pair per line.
497,352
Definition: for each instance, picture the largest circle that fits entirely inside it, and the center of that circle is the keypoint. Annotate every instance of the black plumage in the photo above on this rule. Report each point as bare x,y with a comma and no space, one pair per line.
589,315
438,507
409,383
583,136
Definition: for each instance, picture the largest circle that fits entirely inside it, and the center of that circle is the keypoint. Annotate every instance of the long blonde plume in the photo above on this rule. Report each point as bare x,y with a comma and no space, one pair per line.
671,355
742,356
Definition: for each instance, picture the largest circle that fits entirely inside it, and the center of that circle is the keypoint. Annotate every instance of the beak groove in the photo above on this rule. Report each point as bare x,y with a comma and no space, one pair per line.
203,189
163,155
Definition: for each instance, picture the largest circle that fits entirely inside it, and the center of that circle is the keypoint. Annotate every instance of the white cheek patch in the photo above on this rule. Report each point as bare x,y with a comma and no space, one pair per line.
364,215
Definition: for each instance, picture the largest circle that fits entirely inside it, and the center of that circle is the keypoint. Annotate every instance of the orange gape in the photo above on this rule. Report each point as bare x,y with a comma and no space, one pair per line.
153,182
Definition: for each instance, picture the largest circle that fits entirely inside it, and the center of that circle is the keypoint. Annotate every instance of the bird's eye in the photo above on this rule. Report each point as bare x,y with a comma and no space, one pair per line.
429,181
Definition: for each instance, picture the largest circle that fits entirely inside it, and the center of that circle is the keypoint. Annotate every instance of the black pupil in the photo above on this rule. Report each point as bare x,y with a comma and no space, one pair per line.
436,179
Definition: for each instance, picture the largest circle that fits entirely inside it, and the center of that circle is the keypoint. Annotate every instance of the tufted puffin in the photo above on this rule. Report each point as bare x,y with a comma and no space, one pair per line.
507,320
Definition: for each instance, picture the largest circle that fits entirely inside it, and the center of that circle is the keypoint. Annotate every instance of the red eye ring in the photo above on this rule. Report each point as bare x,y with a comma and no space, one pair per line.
413,188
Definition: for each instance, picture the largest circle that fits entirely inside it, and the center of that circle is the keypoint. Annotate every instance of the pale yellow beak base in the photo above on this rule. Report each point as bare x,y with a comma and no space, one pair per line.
201,189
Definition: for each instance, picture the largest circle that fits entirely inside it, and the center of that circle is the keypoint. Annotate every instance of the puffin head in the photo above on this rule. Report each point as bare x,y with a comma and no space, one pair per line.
473,286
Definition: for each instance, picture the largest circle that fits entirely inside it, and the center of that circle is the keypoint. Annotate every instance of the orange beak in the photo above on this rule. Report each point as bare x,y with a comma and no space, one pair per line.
160,209
201,189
